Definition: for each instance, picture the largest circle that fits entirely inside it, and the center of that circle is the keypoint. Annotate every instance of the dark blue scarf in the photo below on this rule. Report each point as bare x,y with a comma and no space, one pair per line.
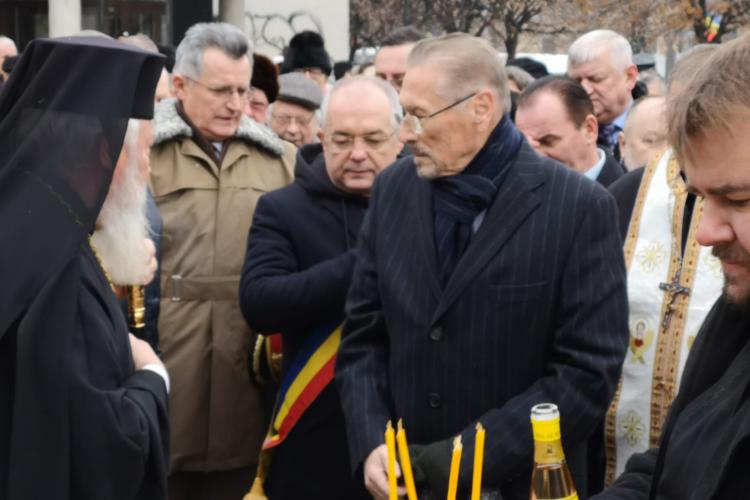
459,199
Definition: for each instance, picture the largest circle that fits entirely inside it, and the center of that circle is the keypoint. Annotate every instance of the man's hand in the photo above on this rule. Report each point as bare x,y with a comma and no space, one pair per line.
376,474
142,353
151,265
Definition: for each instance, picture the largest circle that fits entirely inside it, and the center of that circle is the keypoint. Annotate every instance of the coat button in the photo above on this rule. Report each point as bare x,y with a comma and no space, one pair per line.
436,333
435,400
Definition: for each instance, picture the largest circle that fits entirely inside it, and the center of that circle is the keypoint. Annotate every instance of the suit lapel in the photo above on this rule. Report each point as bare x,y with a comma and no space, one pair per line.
513,202
611,171
426,234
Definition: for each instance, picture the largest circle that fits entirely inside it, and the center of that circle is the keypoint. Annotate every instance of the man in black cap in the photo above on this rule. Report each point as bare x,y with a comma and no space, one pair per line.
83,405
306,54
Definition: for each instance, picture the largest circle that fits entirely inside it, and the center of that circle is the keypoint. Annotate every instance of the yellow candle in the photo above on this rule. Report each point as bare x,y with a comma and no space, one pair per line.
476,483
390,443
403,454
455,466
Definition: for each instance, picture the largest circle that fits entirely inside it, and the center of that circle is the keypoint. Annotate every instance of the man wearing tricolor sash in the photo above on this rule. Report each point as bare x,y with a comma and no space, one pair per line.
298,268
672,284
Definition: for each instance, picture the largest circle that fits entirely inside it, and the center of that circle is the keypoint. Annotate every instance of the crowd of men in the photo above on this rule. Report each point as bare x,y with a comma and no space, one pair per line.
439,238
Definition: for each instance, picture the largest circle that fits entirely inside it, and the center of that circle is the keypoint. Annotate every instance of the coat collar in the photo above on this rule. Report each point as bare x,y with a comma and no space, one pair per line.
168,125
514,202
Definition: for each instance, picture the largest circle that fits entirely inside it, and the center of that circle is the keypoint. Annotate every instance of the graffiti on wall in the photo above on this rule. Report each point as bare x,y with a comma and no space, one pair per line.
275,30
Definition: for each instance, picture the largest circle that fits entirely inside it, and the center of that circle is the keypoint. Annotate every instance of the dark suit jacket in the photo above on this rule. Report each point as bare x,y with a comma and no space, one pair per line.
611,171
536,311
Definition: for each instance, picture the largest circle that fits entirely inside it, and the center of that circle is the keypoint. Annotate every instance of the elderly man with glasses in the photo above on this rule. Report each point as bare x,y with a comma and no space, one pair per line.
210,164
293,114
298,266
488,279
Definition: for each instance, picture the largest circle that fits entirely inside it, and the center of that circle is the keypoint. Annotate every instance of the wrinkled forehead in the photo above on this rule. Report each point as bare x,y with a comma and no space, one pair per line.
599,61
422,86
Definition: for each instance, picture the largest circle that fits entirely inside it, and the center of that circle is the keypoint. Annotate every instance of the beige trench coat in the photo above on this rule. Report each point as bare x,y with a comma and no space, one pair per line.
216,414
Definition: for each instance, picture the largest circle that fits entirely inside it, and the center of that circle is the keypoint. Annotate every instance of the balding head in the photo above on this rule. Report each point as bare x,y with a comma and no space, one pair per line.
360,117
7,49
645,132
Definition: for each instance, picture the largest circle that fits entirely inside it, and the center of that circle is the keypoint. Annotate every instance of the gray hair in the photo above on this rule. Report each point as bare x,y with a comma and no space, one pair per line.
466,62
689,62
199,37
4,40
650,76
593,44
519,75
397,113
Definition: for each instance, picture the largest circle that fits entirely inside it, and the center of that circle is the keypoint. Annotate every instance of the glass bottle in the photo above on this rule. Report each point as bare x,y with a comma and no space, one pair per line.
550,479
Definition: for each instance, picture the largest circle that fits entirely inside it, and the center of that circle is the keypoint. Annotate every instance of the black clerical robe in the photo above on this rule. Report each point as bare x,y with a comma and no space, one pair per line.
99,430
705,447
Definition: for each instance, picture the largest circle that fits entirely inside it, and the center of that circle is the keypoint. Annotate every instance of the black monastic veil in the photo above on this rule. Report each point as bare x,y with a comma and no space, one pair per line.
63,117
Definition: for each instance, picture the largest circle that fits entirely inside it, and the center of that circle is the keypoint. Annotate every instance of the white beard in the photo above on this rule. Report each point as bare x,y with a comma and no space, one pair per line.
123,229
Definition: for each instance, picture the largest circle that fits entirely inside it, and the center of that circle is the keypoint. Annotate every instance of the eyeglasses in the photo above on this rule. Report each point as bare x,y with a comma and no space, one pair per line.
223,93
310,70
343,143
284,120
417,124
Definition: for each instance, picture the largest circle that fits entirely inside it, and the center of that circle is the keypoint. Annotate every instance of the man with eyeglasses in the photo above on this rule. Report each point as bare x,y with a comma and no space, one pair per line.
298,266
210,164
293,113
488,279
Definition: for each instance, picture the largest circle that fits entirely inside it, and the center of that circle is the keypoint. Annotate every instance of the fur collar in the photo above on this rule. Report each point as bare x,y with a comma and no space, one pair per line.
168,125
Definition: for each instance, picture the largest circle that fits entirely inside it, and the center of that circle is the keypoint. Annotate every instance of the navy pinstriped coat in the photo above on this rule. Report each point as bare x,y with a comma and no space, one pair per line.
536,311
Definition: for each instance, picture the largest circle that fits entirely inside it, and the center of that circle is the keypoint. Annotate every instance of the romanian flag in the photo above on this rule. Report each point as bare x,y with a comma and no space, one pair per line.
309,373
713,23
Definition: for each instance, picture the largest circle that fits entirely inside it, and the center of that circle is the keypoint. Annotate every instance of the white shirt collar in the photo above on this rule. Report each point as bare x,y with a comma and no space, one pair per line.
594,171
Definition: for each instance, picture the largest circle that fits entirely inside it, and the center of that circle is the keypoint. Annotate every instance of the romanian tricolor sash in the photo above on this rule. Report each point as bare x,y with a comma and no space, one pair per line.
310,372
307,376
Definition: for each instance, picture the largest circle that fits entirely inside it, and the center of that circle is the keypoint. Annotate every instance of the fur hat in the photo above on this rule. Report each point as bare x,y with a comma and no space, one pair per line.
265,76
306,50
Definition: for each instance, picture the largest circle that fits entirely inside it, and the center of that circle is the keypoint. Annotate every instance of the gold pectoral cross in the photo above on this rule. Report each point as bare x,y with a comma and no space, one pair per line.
673,290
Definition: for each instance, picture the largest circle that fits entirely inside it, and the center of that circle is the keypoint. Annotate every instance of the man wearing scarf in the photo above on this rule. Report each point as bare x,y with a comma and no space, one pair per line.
488,279
83,405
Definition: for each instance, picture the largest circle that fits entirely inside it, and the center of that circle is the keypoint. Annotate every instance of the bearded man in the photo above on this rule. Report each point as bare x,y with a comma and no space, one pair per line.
83,405
703,451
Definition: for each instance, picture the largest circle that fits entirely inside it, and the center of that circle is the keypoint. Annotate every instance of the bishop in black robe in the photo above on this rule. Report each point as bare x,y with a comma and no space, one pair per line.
77,421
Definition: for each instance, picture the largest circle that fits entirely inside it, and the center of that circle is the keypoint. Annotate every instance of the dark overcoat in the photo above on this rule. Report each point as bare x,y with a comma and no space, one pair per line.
535,311
298,267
